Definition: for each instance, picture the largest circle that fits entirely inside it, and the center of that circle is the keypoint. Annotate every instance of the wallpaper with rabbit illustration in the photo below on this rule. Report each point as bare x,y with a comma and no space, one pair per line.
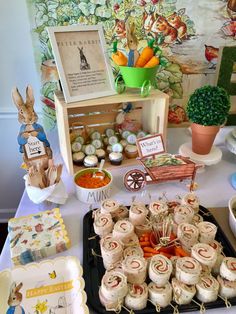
189,33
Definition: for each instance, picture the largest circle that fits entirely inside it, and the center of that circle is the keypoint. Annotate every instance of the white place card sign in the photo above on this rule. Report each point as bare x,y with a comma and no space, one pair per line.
150,145
34,148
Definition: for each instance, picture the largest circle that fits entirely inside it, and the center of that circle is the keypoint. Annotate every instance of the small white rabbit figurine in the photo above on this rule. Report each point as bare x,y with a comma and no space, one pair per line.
32,138
15,299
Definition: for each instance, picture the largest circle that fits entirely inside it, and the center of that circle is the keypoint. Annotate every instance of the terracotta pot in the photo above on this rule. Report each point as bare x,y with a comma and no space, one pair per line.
203,138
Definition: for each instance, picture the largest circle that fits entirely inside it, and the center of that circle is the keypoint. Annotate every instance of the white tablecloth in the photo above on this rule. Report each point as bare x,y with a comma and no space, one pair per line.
214,191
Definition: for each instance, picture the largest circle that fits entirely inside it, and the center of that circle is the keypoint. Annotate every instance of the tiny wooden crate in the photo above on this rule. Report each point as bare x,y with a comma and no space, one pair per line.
100,114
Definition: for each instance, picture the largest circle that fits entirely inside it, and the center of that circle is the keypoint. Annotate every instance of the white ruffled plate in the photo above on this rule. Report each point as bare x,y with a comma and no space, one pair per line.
233,132
230,142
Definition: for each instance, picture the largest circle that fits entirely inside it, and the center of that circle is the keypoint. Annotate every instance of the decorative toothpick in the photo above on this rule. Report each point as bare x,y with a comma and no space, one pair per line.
202,308
227,303
157,306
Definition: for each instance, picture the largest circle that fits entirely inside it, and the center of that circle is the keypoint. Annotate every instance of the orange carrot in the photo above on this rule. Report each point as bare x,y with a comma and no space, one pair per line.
146,55
177,254
148,249
118,57
166,254
148,255
87,180
141,239
172,236
152,62
143,243
146,238
179,250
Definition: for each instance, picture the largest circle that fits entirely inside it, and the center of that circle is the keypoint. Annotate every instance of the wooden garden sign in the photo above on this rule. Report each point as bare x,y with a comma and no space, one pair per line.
150,145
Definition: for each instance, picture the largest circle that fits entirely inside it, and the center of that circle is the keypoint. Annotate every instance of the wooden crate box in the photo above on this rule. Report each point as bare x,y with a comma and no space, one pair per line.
100,114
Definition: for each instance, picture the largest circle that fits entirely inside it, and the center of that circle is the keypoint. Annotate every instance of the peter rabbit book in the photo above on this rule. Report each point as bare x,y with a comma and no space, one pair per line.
50,287
37,236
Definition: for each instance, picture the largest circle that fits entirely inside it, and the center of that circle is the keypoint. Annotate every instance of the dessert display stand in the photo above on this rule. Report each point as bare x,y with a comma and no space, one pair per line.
230,142
214,157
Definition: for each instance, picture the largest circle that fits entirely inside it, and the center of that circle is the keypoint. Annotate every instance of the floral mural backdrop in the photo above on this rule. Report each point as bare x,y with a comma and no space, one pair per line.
188,32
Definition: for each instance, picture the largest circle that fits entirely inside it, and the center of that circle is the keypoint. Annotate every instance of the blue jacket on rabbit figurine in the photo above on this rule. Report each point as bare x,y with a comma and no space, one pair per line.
11,310
15,299
41,135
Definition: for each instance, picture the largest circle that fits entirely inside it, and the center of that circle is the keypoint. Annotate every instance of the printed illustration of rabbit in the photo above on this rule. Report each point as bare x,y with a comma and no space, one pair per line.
15,299
148,20
28,118
175,20
83,61
161,26
119,29
231,9
132,43
61,307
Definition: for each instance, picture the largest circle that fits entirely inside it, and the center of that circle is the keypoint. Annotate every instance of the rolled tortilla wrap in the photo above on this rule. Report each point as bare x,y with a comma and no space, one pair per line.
227,288
228,268
207,289
103,224
123,230
110,206
204,253
137,215
161,296
109,304
192,200
188,270
133,251
187,234
114,285
135,268
121,213
183,213
136,298
160,269
207,232
112,251
158,207
182,293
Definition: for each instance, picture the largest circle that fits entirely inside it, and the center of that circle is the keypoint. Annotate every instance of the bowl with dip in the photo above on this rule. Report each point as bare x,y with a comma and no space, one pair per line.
232,214
91,189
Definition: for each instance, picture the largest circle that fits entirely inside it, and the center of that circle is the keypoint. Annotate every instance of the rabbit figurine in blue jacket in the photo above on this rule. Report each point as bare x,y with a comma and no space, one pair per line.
28,118
15,299
132,43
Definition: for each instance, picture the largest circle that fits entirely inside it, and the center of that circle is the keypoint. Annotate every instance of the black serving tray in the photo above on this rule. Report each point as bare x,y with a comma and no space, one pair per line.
94,270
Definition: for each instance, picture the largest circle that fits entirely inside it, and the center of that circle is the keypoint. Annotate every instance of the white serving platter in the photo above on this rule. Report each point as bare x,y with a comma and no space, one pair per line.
52,286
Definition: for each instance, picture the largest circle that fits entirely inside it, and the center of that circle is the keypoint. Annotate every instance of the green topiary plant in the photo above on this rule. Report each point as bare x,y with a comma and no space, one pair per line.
208,105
